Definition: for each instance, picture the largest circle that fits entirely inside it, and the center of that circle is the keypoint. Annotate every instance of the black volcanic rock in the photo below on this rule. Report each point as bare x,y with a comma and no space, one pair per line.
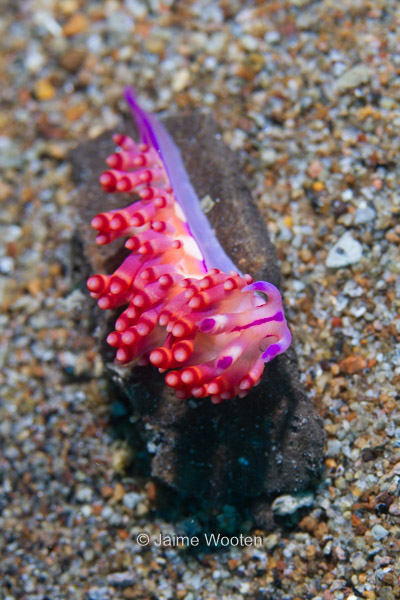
243,449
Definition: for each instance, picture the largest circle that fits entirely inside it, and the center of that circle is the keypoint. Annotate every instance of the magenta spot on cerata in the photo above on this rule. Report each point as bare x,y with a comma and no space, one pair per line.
207,324
258,285
225,362
270,352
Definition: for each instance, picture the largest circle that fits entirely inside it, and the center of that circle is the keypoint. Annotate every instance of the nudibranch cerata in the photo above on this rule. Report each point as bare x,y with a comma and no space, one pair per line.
188,310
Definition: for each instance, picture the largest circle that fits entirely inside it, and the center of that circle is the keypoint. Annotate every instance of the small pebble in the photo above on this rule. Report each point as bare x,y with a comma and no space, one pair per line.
272,37
6,265
131,499
315,169
180,80
78,23
121,580
352,364
45,90
358,561
379,532
98,593
84,494
364,215
347,251
72,60
354,77
268,156
394,509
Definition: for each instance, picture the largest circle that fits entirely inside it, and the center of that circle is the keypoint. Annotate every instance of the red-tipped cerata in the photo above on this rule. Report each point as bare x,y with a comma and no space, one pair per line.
187,308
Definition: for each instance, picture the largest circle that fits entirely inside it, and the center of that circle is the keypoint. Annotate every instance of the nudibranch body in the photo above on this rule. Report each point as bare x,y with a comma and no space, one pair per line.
189,311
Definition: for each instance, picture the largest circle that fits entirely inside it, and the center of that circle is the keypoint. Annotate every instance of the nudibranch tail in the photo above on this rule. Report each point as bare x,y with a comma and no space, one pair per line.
189,311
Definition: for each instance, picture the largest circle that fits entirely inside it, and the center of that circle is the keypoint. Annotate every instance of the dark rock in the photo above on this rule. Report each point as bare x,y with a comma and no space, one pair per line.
263,515
268,443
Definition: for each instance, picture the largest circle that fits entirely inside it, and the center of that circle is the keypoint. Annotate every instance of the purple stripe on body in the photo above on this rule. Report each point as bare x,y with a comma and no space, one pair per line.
276,317
153,132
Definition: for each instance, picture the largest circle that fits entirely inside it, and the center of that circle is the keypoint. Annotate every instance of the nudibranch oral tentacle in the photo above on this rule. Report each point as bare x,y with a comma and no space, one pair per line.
189,311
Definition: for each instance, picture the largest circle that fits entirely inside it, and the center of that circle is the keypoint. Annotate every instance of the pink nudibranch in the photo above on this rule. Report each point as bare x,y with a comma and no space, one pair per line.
189,311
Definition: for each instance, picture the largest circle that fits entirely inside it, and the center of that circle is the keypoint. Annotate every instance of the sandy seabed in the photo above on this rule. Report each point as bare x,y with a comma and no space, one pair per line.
309,93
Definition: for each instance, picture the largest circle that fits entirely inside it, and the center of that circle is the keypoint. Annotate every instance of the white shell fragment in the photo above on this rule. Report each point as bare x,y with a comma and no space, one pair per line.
288,504
346,251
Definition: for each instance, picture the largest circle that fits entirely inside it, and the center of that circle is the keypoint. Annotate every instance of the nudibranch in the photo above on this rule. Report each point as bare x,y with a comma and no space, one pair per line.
187,308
